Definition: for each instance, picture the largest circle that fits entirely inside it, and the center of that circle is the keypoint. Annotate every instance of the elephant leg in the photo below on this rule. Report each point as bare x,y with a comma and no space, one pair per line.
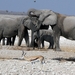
42,43
35,44
0,41
26,37
1,36
39,40
20,34
8,41
39,44
50,46
3,43
31,44
13,40
20,40
56,37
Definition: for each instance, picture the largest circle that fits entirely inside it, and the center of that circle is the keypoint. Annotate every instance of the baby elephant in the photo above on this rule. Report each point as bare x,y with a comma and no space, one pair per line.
44,35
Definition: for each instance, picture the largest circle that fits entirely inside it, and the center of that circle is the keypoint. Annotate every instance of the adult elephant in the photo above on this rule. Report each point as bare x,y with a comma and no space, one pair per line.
62,25
32,23
10,27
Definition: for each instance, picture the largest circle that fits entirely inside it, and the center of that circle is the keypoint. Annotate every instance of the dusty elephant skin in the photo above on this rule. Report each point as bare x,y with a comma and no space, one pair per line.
62,25
45,35
10,27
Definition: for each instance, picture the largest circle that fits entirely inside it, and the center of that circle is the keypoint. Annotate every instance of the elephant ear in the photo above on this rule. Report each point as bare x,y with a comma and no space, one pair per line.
48,18
29,24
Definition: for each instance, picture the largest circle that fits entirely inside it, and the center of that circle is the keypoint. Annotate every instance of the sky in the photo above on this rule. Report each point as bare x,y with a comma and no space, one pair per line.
60,6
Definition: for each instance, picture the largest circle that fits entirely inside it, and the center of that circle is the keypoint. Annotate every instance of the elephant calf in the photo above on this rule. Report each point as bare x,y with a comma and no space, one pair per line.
45,35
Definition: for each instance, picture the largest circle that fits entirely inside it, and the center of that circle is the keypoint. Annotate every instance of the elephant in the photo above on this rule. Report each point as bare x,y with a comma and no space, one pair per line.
10,27
45,35
62,25
31,23
32,36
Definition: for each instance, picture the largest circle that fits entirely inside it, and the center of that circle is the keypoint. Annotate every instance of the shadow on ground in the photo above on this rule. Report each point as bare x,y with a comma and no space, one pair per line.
65,59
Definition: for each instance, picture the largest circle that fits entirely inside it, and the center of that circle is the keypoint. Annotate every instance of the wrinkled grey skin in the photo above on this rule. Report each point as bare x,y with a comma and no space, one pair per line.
12,27
45,35
62,25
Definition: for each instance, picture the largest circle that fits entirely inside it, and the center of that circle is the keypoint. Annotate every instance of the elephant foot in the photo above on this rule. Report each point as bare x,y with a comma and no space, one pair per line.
48,48
42,48
28,45
57,49
35,45
33,48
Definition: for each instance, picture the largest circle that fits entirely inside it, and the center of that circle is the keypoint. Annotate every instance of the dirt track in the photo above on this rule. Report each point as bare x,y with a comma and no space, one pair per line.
56,62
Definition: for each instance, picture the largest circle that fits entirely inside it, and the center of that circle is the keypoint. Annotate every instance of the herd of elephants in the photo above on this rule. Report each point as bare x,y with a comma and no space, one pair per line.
38,21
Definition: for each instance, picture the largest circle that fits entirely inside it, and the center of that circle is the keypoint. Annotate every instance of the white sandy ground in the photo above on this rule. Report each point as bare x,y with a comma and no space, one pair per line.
50,67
